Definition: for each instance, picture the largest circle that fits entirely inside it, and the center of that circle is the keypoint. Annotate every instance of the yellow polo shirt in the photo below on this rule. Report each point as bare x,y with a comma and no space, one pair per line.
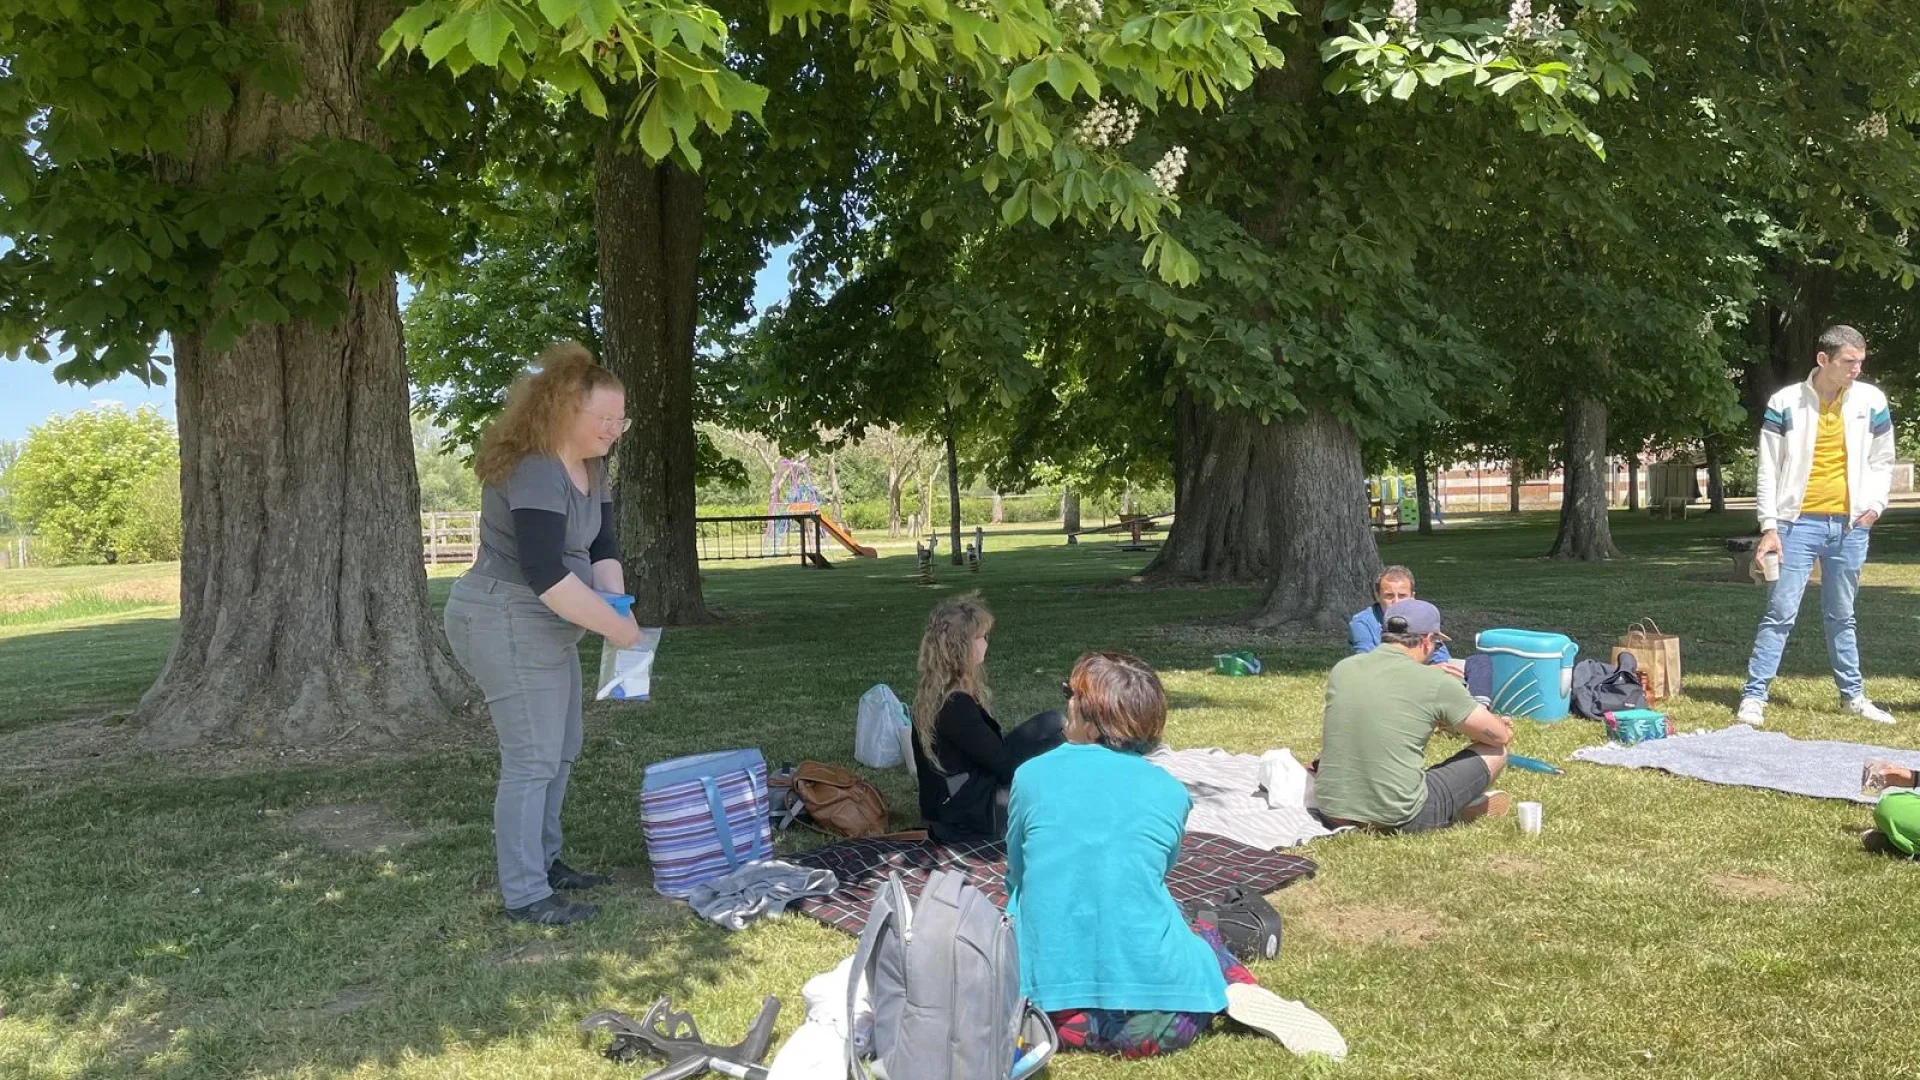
1827,482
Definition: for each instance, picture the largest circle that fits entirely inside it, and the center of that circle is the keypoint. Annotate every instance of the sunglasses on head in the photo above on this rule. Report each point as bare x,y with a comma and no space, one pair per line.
1066,689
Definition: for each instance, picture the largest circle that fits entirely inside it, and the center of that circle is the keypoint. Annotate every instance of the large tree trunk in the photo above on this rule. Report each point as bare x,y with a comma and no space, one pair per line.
1515,478
1324,558
953,493
1716,485
1585,533
1069,511
648,221
1633,481
1224,465
303,597
999,510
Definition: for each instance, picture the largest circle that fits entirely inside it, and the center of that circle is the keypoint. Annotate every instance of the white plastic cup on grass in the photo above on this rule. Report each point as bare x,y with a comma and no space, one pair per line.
1530,814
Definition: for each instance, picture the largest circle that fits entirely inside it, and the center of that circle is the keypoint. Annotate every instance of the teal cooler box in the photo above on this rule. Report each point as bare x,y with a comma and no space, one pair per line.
1532,672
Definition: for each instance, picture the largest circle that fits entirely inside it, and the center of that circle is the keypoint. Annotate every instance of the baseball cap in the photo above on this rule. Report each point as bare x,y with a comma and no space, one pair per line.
1412,617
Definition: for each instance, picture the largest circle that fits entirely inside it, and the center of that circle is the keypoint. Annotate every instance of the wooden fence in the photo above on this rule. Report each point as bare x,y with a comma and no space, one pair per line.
450,536
17,552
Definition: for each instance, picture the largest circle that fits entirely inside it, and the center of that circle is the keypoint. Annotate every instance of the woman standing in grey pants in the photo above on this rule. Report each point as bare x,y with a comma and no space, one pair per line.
516,618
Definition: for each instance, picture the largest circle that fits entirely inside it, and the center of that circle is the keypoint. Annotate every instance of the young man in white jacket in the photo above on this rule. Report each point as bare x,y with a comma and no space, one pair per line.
1824,473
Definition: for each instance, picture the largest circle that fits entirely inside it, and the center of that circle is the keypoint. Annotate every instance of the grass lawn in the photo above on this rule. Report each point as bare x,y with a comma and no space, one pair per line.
238,915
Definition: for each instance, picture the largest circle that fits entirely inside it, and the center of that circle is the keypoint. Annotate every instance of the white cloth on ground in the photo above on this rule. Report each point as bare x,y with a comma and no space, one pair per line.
817,1050
757,890
1287,782
1228,799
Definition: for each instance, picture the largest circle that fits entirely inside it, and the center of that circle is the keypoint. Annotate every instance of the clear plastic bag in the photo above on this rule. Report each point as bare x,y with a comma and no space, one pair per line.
627,674
877,729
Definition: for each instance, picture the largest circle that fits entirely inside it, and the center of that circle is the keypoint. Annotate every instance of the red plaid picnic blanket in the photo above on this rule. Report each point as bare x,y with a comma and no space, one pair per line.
1208,866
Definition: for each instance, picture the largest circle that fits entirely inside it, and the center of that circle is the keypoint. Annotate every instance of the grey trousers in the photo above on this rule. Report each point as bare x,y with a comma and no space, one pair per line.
527,661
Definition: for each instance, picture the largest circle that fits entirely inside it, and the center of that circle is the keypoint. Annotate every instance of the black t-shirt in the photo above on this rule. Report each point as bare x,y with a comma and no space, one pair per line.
968,741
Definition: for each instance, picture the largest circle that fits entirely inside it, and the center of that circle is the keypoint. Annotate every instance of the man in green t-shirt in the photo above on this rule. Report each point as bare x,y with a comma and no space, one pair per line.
1382,709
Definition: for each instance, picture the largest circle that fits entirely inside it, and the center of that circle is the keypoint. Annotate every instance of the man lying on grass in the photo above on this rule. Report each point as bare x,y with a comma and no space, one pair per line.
1382,709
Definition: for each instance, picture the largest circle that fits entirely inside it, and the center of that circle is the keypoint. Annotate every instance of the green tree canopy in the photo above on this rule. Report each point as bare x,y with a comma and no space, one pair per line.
93,486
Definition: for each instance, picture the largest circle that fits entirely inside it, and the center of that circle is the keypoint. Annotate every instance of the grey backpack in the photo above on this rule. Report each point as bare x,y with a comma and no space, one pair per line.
945,978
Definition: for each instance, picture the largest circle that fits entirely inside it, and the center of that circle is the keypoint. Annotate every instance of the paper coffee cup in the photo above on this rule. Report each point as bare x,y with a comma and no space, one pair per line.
1530,815
1770,566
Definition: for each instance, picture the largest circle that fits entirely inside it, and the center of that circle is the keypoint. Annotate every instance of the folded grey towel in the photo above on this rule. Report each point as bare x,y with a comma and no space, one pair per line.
757,890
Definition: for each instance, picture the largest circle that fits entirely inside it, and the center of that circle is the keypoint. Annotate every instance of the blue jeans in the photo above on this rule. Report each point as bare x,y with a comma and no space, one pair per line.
1841,551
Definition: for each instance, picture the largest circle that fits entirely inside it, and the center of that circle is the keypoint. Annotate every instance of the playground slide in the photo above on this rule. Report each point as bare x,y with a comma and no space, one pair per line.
839,532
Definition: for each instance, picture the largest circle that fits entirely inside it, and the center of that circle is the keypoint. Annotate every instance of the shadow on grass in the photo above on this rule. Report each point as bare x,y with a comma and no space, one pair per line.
77,672
210,929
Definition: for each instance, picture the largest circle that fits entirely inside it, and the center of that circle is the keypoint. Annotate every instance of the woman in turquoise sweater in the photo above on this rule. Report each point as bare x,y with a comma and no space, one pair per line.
1093,829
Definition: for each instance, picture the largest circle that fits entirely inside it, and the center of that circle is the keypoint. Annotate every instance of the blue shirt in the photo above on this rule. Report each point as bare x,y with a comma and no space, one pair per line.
1091,835
1365,628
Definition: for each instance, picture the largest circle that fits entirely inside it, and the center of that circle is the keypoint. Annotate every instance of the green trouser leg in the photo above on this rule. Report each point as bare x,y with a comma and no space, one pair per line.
1898,815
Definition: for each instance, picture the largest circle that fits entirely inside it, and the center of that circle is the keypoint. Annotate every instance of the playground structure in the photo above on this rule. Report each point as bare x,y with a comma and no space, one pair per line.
1392,502
794,507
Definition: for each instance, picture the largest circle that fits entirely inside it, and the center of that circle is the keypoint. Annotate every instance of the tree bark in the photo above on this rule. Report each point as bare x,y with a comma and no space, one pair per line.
1788,326
1633,482
896,481
1423,490
1224,467
999,510
1323,554
1716,487
833,485
303,595
953,493
648,221
1515,478
1585,533
1069,511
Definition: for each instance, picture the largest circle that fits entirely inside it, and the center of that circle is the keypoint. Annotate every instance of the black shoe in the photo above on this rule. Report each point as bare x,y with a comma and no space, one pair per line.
562,876
551,910
1877,843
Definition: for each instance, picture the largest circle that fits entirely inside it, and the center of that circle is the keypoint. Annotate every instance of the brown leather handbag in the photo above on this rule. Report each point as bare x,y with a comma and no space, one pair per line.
839,803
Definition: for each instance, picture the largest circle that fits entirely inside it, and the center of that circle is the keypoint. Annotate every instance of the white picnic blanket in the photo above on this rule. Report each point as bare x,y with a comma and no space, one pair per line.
1229,799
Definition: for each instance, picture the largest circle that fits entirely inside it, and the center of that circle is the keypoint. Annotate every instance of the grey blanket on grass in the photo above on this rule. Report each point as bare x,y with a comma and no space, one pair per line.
758,890
1744,757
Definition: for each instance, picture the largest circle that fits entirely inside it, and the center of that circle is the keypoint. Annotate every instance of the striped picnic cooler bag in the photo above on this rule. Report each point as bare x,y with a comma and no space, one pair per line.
703,816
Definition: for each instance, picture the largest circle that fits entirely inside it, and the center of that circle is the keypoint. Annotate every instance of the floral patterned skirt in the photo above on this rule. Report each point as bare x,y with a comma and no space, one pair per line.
1144,1034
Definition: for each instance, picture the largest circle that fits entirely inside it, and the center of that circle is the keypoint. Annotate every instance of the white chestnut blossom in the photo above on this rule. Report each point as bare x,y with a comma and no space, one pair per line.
1873,127
1107,126
1406,10
1523,24
1081,15
1166,172
1520,18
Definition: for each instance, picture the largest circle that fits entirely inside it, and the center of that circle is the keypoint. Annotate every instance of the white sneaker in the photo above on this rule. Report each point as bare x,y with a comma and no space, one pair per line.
1861,707
1753,711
